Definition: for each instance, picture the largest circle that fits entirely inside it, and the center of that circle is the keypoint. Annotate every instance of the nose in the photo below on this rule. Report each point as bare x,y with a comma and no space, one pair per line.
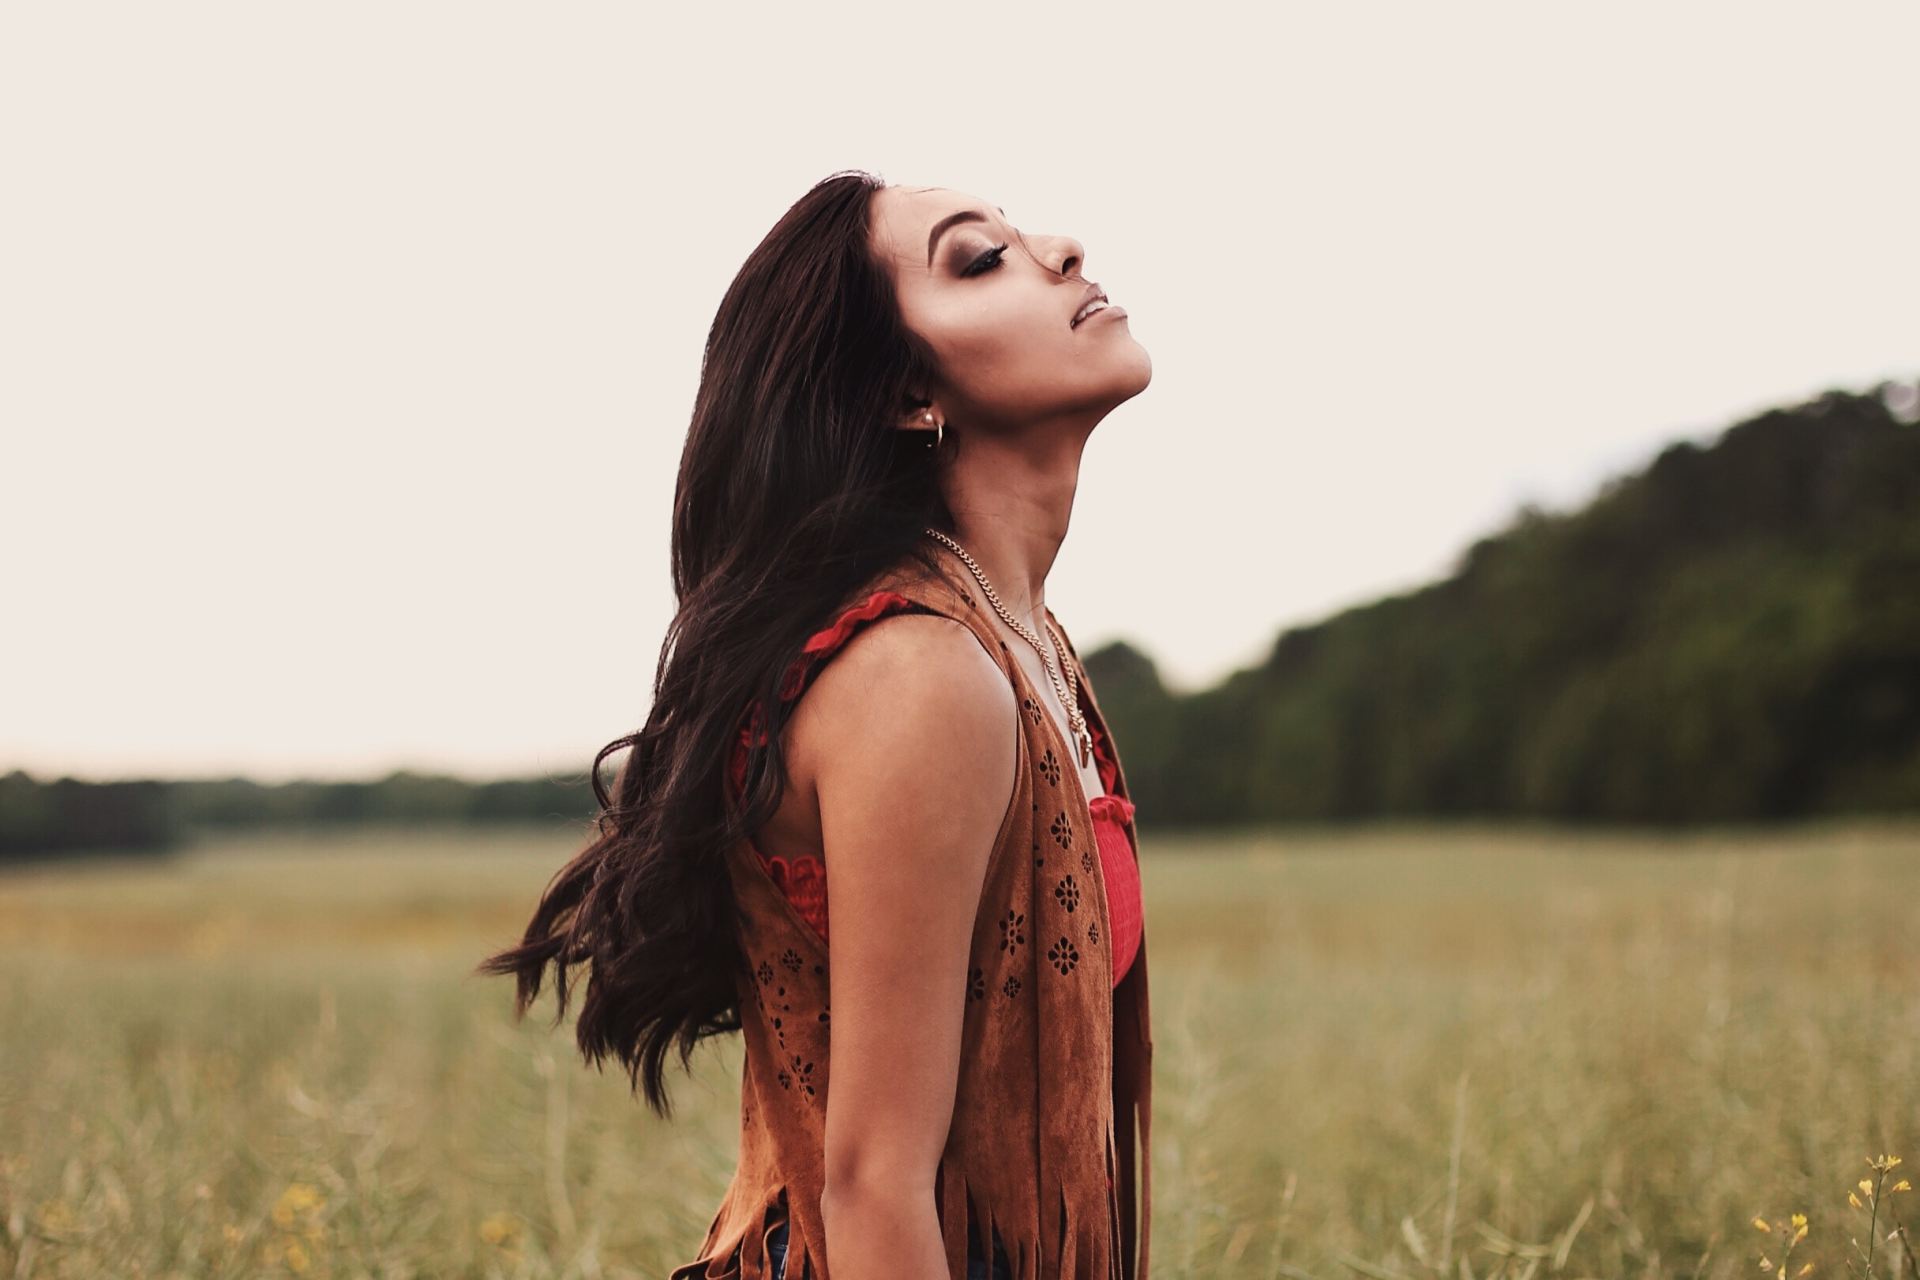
1066,254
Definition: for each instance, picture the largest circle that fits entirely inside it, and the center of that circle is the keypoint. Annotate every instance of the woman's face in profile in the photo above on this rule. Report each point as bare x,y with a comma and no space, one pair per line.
998,308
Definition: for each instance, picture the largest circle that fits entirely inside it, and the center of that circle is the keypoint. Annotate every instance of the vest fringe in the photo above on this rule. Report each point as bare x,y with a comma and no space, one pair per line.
985,1233
739,1252
968,1220
806,1241
1099,1241
753,1251
755,1264
995,1217
1064,1263
799,1253
951,1200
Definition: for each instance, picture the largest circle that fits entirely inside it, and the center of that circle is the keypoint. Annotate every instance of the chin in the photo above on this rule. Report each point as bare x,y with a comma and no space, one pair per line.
1119,390
1138,373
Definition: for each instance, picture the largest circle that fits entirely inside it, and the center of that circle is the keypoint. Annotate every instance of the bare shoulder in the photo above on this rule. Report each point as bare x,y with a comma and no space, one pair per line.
910,682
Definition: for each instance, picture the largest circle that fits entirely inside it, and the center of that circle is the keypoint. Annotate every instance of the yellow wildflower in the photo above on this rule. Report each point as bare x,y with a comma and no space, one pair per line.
302,1195
299,1198
1761,1223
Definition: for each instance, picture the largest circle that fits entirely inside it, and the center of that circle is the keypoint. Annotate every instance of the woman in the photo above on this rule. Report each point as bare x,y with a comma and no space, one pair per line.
881,465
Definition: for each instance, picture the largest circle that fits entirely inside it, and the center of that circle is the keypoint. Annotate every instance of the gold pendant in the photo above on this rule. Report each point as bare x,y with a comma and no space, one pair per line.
1086,747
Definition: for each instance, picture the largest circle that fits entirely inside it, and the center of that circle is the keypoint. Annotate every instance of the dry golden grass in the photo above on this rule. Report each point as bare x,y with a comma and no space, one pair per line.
1388,1052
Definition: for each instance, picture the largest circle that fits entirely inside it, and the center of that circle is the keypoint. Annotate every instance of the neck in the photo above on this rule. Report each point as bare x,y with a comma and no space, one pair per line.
1011,504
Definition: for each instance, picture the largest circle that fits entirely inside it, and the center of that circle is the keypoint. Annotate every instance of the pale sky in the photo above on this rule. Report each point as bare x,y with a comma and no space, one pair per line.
346,350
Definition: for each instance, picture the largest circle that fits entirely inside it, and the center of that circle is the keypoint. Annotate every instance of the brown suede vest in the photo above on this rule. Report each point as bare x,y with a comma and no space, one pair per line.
1056,1062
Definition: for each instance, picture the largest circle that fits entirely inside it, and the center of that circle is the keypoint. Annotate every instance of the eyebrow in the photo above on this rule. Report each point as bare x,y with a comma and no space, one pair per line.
965,215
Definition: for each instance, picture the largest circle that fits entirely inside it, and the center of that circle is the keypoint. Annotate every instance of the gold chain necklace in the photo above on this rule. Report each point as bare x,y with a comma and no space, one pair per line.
1070,700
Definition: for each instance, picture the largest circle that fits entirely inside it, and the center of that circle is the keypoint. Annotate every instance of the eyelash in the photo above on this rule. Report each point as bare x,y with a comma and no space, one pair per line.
976,268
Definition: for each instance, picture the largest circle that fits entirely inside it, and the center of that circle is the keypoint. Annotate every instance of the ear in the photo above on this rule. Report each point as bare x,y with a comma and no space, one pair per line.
926,418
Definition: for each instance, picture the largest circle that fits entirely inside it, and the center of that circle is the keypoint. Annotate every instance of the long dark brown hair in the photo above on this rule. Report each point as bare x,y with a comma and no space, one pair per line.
795,488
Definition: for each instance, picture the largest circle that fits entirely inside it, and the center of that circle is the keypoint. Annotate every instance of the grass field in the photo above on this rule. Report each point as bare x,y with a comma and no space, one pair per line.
1387,1052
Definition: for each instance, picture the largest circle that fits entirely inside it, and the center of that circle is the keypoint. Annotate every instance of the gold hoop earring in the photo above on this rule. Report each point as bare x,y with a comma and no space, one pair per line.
939,429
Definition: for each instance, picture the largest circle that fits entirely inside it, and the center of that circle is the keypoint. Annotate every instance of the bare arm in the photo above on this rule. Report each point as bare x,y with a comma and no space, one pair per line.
914,731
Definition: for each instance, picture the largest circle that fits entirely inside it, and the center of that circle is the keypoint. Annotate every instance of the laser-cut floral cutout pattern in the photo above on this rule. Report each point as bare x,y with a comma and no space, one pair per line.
1012,932
1064,954
1032,708
1062,831
1093,932
977,984
797,1074
1011,986
1050,767
1067,893
1086,861
776,1007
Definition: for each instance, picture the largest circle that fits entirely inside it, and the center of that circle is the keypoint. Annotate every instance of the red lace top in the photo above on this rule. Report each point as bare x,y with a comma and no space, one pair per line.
803,879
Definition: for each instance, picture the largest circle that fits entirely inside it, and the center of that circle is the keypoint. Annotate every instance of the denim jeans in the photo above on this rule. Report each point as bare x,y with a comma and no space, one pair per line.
976,1265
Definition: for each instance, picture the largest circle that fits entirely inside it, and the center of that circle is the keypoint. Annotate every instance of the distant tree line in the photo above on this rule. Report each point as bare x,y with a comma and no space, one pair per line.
152,815
66,815
1730,634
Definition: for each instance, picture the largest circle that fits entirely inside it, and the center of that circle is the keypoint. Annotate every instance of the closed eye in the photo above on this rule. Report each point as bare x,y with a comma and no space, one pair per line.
985,262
